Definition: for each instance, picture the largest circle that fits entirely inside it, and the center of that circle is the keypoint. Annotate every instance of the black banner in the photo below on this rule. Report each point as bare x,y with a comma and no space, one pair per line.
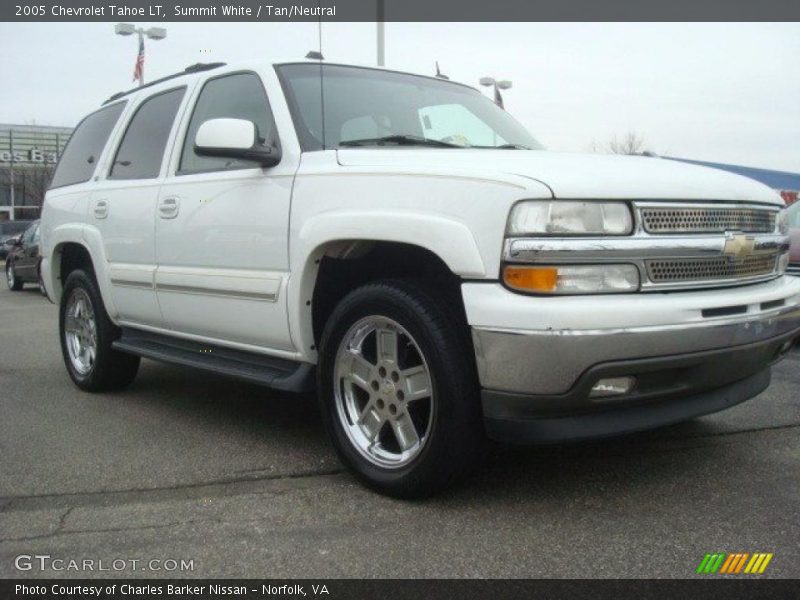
399,10
416,589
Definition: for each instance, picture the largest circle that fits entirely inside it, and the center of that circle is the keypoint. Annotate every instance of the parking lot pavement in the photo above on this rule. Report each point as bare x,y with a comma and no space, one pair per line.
241,481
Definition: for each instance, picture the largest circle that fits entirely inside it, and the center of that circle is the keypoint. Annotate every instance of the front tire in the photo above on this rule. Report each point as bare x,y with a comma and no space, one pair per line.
398,390
86,336
14,283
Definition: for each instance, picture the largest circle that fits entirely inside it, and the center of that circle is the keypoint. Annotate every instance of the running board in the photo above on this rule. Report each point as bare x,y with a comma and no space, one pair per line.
276,373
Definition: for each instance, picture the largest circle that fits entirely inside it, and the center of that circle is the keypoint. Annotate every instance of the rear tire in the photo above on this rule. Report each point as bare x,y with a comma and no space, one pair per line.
87,333
398,390
14,283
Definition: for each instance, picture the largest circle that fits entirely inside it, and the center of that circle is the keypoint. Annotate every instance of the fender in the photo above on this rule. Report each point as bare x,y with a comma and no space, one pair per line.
88,237
451,240
52,242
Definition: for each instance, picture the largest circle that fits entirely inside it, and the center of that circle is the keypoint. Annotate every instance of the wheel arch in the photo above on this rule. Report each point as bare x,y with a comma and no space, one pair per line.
74,248
334,267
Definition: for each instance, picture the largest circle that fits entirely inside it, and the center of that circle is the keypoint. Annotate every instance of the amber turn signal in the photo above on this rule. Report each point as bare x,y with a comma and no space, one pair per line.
531,279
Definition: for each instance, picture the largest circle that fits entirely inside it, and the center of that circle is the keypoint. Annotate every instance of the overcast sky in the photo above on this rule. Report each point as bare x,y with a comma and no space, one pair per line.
719,92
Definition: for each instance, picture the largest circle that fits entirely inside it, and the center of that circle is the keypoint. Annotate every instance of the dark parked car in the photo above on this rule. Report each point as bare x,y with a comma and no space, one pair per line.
8,230
22,263
793,214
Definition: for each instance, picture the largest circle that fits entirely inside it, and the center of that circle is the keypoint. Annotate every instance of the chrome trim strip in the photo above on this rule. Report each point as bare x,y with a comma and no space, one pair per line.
705,205
633,248
142,285
202,291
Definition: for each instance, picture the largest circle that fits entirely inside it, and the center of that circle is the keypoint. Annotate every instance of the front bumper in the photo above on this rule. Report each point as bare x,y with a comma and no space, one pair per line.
538,358
516,427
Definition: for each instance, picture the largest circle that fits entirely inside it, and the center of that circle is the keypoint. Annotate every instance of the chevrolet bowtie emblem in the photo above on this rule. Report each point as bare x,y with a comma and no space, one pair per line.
738,245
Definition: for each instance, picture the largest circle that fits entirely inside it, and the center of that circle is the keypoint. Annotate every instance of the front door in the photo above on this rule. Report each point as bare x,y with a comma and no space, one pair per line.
221,230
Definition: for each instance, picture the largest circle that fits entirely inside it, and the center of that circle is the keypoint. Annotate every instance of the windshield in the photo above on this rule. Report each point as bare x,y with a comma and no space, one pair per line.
12,227
368,107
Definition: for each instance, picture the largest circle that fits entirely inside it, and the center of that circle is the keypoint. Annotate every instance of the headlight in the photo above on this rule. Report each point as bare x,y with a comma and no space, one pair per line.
568,217
782,221
572,279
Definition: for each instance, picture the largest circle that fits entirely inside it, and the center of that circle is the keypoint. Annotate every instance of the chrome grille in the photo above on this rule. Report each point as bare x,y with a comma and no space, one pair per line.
707,220
704,269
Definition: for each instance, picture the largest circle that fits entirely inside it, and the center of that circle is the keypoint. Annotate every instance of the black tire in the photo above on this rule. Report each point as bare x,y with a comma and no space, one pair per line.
111,370
456,439
14,283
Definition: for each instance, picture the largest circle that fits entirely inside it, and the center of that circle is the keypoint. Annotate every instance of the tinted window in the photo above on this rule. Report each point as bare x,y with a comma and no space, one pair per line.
84,147
142,148
239,96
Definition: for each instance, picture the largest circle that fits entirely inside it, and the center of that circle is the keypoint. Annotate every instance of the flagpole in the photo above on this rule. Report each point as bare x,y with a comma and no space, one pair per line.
153,33
140,31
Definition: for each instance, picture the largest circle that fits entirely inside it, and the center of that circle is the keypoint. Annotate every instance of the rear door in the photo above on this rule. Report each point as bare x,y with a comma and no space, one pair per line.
222,228
123,206
27,255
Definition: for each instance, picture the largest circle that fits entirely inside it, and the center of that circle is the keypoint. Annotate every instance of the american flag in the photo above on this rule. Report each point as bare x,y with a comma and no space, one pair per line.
138,70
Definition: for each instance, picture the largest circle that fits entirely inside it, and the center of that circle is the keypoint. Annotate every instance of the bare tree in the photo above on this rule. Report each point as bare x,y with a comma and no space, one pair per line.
34,183
631,143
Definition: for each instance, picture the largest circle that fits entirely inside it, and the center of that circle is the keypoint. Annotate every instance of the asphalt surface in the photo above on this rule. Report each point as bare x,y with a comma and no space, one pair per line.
241,481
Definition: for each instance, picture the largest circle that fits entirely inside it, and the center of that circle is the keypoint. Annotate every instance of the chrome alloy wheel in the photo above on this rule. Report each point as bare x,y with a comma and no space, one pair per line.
10,276
383,392
80,331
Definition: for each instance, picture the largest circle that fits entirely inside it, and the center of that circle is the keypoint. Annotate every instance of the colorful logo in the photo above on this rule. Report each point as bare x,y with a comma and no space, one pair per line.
735,563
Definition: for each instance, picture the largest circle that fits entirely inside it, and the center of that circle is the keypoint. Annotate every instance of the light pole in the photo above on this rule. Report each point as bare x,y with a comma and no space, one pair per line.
381,36
503,84
154,33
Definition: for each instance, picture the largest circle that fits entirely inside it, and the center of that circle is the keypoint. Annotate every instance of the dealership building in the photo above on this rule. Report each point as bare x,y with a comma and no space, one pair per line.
28,156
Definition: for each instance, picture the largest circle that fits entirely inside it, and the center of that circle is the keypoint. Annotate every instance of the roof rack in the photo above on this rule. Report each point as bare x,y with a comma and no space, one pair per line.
195,68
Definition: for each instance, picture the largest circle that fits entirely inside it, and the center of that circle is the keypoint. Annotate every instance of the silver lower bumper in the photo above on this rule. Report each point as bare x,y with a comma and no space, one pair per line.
548,362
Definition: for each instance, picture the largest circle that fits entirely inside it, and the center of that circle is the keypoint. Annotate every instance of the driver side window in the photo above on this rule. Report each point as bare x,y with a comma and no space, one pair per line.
237,96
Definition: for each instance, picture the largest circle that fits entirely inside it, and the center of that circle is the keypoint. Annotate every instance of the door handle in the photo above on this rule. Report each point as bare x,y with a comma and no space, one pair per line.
101,209
168,207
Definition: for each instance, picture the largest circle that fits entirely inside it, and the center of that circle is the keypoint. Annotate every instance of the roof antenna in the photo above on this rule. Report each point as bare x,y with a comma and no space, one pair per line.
439,74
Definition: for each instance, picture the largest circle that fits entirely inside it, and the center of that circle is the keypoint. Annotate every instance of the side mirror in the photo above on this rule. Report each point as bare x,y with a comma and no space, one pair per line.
234,138
13,241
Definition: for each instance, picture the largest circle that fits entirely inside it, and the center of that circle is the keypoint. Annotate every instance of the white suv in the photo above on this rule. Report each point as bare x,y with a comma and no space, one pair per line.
402,245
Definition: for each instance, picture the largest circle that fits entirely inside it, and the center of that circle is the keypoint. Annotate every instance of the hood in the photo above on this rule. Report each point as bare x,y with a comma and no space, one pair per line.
570,175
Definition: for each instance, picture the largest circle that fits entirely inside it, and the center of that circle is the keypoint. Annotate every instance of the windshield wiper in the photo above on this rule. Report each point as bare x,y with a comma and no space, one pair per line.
504,147
400,140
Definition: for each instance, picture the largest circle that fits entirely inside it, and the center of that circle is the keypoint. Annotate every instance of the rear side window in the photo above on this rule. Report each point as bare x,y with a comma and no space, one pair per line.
142,149
237,96
80,157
